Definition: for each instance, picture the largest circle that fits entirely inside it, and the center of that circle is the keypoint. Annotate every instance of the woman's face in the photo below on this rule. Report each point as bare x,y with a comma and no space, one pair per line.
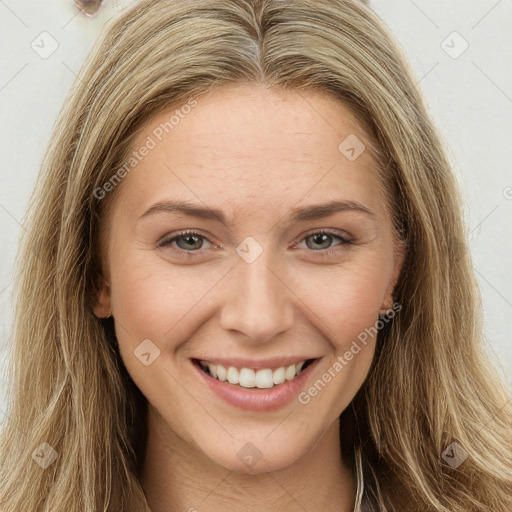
268,277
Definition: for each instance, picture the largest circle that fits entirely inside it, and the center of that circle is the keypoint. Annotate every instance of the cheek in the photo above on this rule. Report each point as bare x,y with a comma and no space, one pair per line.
346,298
153,299
153,307
344,305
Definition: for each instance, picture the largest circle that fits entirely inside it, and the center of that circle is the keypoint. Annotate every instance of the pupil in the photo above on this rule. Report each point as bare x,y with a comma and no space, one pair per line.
188,238
321,236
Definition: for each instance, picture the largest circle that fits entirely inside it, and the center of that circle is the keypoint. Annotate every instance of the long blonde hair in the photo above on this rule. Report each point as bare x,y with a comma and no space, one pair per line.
431,384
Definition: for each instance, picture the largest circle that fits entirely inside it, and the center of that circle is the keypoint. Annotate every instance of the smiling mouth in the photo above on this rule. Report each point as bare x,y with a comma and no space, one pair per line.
264,378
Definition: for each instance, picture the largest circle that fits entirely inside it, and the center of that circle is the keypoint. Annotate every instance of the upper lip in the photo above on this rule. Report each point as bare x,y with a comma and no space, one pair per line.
274,362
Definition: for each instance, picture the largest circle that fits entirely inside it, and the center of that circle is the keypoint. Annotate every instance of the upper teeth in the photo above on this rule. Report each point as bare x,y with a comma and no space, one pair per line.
249,378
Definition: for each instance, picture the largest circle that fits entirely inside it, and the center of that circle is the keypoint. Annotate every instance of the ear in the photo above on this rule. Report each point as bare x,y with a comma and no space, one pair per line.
102,303
399,257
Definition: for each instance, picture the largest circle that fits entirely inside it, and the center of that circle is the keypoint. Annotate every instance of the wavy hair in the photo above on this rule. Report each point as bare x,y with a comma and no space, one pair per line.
431,384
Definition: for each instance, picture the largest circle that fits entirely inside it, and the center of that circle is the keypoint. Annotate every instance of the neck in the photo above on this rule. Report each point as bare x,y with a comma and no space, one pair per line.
176,475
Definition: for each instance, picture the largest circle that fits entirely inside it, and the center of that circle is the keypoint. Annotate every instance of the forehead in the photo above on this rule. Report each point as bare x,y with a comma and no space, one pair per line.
246,145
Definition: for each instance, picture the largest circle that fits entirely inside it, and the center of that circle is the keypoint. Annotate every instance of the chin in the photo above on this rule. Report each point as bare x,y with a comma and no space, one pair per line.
262,455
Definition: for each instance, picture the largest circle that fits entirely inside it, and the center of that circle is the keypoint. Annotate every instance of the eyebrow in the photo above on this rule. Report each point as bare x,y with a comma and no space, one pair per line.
303,213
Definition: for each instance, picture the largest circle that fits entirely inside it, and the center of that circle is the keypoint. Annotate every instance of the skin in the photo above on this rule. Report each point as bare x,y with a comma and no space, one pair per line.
255,154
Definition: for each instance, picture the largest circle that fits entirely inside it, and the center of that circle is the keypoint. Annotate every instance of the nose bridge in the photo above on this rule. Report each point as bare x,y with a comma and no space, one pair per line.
256,301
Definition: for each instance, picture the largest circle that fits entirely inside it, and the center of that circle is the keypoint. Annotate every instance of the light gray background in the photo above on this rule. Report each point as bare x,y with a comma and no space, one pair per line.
469,95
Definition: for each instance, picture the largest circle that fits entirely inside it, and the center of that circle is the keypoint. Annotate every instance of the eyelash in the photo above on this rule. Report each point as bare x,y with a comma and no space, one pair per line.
167,241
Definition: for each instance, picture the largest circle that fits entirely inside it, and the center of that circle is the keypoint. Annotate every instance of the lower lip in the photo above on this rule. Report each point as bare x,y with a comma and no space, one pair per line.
253,399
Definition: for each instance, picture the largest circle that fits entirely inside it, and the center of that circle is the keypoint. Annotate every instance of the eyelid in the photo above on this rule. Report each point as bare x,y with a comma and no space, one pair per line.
345,237
171,237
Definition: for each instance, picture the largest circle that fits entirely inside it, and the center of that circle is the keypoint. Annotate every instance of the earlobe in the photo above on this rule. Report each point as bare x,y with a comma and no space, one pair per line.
399,257
101,310
102,307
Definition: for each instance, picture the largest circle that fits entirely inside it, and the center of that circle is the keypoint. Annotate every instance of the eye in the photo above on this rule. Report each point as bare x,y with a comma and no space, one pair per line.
192,242
323,239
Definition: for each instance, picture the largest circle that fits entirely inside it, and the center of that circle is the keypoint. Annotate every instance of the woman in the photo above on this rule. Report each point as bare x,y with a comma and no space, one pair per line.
242,283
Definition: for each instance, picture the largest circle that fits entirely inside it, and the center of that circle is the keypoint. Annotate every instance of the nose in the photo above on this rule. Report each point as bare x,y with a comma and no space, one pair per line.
257,301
